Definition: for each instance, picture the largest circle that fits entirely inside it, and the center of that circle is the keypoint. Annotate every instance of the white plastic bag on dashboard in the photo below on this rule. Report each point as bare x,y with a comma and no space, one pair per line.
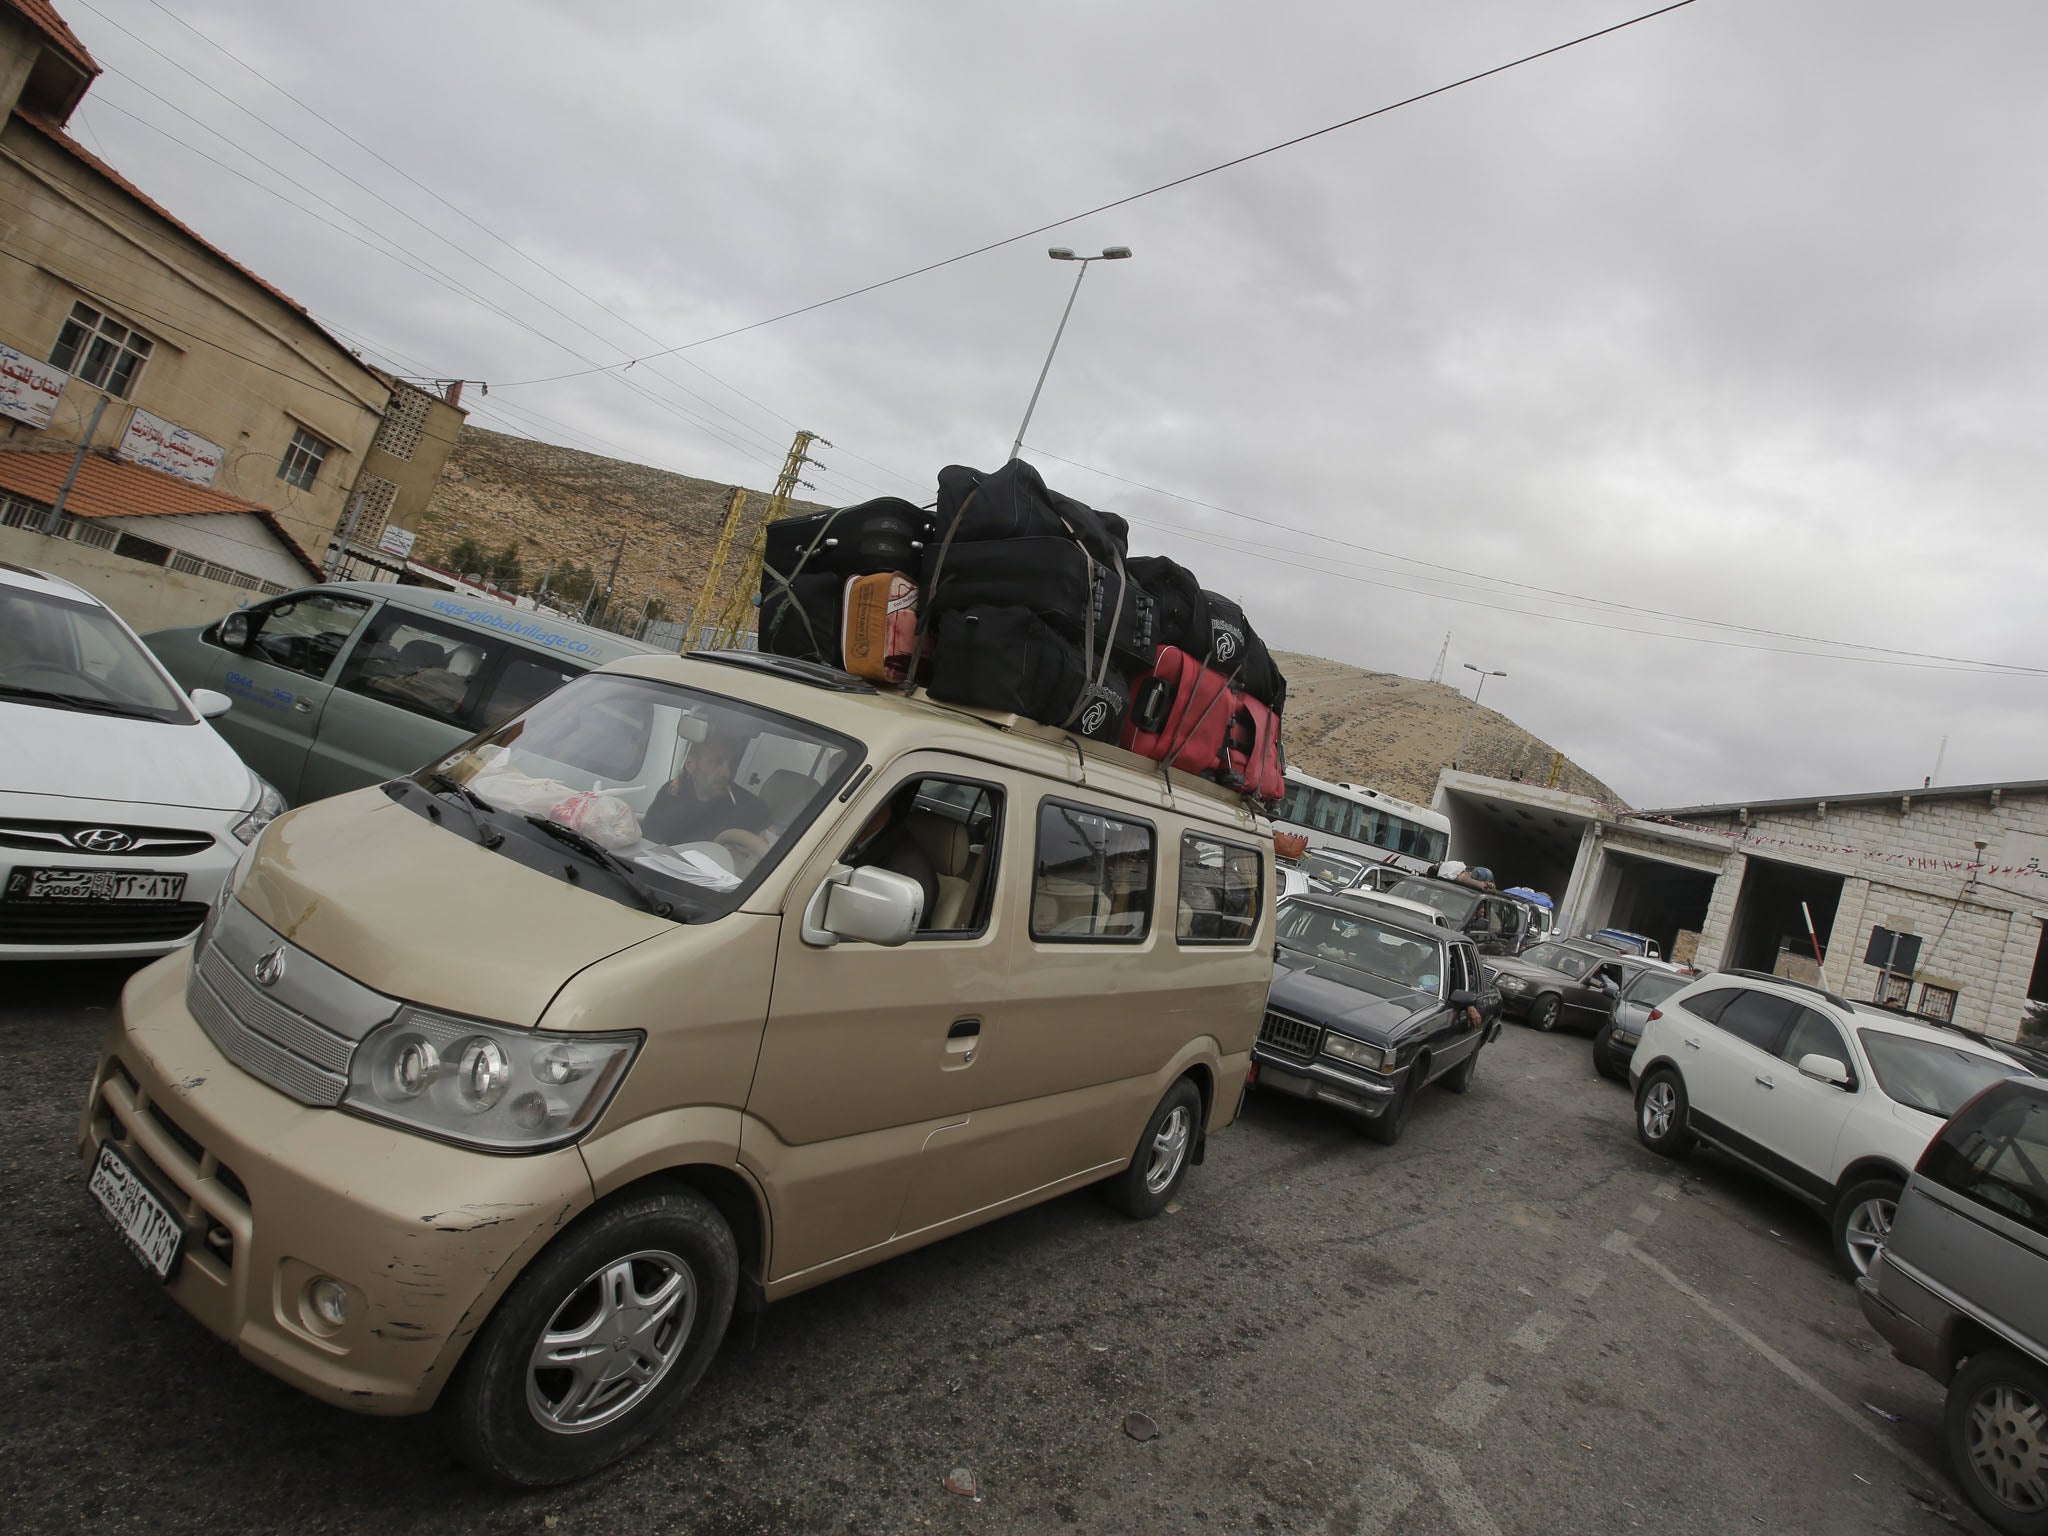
603,818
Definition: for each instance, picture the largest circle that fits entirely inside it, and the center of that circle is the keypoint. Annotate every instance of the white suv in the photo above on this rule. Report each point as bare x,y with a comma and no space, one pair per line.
1834,1100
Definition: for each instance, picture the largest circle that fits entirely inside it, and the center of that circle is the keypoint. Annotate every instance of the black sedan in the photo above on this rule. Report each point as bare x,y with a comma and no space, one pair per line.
1554,985
1367,1008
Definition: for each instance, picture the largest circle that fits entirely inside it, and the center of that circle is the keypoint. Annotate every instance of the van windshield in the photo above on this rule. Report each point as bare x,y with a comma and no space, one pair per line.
683,799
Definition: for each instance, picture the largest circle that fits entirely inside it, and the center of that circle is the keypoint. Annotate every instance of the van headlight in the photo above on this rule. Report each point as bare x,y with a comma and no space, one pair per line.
1373,1058
269,806
487,1086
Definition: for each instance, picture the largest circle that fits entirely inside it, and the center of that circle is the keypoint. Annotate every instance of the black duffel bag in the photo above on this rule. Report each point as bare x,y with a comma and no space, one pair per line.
800,617
1236,650
1015,503
1181,616
1009,659
1055,579
886,534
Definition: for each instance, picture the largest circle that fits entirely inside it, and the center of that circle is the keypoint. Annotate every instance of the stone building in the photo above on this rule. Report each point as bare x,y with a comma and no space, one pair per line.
190,392
1960,873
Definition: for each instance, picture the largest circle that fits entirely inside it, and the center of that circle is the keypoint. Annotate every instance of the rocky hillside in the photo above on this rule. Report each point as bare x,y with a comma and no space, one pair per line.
559,504
1395,733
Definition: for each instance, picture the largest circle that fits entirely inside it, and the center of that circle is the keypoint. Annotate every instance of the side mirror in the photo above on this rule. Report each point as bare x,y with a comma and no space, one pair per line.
211,705
1463,999
1824,1069
233,632
869,906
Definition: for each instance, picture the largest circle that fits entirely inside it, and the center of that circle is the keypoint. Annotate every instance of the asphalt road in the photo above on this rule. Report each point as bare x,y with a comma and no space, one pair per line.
1517,1320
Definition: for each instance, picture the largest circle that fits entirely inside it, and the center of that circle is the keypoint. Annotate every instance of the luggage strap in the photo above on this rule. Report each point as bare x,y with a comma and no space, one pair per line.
788,591
1229,686
926,599
1097,686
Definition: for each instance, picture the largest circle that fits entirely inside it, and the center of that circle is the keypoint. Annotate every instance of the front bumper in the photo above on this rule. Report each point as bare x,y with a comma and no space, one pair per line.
424,1236
1910,1317
1350,1088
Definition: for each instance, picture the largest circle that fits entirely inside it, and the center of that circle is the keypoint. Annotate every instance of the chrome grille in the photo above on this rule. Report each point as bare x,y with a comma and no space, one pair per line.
65,837
1290,1035
258,1054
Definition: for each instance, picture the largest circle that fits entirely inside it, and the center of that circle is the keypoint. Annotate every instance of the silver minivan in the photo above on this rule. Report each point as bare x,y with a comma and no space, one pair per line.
353,682
1960,1291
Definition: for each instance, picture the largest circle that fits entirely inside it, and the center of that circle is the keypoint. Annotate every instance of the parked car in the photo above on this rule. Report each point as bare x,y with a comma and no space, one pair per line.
1614,1043
1960,1291
1413,911
1368,1006
1498,925
566,1036
353,682
121,809
1833,1100
1630,943
1332,870
1561,986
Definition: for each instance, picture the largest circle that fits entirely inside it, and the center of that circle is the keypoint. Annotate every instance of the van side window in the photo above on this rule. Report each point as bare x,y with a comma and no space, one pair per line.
1219,891
305,631
1092,878
525,681
1996,1153
942,833
418,664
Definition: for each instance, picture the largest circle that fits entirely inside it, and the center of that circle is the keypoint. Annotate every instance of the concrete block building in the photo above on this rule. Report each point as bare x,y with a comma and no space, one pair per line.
1960,872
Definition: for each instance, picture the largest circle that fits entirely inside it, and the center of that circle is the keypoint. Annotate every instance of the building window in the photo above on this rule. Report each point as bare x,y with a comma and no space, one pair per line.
1893,991
301,463
102,351
1938,1003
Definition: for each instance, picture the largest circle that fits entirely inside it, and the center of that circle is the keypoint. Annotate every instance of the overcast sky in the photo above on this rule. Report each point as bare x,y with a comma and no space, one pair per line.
1735,315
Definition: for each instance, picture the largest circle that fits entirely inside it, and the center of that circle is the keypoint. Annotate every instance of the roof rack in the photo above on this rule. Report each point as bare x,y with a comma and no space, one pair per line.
1786,981
815,673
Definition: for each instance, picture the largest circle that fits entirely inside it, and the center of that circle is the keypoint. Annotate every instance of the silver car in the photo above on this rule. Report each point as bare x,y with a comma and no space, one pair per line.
1960,1291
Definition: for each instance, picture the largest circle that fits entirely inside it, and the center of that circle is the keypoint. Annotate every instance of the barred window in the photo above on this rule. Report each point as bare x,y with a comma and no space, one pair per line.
302,460
100,350
405,422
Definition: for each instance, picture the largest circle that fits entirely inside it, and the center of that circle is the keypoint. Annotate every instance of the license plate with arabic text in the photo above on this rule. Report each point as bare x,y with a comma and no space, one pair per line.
94,885
138,1213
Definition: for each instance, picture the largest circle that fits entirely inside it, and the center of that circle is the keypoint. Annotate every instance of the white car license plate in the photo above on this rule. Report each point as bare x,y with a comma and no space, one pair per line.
137,1212
94,885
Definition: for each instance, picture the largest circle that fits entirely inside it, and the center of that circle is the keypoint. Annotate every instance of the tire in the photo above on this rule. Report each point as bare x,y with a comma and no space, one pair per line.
1160,1164
1386,1127
1543,1013
1460,1078
1861,1222
1660,1114
1996,1426
661,1254
1601,1061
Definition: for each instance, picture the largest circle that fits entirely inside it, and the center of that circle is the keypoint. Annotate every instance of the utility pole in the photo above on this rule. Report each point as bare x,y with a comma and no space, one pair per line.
611,581
56,517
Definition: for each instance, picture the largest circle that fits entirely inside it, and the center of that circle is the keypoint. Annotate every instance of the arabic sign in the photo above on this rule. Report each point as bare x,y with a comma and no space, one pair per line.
398,541
158,444
29,389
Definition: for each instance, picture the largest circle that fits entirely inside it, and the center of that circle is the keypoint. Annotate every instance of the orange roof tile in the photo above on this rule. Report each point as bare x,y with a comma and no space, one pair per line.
43,16
110,488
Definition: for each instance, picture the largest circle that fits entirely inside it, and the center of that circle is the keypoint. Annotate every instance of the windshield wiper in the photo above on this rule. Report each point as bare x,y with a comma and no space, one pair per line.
79,701
472,802
608,860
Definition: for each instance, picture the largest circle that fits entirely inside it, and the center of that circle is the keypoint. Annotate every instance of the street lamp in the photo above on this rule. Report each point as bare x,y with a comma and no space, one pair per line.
1474,710
1062,253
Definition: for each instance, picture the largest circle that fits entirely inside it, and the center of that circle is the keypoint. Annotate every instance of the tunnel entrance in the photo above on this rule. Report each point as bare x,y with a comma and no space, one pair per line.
1523,844
1649,896
1767,916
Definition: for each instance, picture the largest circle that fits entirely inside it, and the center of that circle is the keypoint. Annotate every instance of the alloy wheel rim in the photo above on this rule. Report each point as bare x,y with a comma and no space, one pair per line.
2006,1437
1869,1227
610,1341
1169,1148
1658,1106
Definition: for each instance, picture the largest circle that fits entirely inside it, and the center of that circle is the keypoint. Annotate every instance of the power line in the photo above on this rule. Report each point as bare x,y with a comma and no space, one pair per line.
1129,198
1550,593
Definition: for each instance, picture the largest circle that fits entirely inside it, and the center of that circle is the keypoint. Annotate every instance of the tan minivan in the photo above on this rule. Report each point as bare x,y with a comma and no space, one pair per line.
497,1088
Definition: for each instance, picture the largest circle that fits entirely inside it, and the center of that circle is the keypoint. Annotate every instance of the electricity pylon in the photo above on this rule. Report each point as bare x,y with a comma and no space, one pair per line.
739,611
1438,675
728,535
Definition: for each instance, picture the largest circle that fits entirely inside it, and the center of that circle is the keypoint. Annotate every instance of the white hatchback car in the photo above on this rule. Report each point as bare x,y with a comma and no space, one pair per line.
1833,1100
121,809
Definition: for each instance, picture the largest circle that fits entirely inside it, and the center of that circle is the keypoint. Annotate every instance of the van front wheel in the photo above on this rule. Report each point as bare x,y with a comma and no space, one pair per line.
1145,1188
598,1343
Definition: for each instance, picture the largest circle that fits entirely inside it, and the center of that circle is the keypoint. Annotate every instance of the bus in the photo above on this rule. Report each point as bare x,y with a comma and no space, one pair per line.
1351,818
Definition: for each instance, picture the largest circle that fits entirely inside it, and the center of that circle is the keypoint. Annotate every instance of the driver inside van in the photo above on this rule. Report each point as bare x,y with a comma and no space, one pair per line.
703,805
